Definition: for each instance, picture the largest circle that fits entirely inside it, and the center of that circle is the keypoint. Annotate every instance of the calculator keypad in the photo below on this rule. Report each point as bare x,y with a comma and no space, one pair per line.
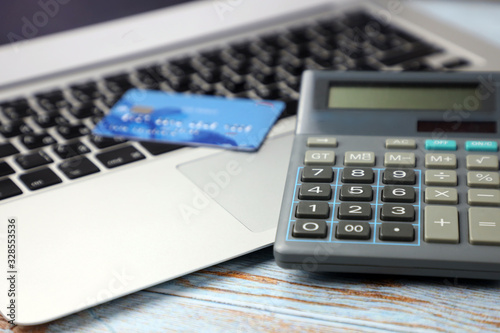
392,197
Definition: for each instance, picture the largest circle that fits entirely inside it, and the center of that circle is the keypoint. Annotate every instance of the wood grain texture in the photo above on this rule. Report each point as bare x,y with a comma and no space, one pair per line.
252,294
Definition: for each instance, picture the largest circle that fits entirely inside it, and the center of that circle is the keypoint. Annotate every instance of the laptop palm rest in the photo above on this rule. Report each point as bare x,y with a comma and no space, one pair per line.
248,185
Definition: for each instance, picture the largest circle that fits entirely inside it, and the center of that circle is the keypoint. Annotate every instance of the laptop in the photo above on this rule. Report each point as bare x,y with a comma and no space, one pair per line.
98,218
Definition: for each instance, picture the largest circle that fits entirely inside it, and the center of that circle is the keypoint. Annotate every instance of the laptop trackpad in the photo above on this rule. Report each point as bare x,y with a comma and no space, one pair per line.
248,185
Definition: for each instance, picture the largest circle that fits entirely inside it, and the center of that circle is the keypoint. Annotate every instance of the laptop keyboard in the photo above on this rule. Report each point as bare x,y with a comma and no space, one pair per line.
52,130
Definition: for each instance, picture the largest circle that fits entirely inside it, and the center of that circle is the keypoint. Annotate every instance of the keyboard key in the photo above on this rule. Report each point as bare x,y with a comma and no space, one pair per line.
357,175
40,179
399,232
7,149
317,174
402,54
85,110
120,156
17,109
5,169
78,167
356,193
353,230
315,192
441,224
86,91
71,149
118,84
105,142
310,229
14,128
72,131
355,211
52,100
156,148
399,176
397,212
312,209
398,194
50,119
8,189
33,160
37,140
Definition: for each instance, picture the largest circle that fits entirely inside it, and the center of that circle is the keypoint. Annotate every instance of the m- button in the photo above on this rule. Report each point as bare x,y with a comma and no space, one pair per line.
399,160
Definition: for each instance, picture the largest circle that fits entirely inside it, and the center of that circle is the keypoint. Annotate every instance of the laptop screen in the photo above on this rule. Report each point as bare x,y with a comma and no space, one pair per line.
26,19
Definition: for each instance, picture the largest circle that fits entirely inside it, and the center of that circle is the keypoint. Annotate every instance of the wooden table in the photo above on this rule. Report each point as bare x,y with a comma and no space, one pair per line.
252,294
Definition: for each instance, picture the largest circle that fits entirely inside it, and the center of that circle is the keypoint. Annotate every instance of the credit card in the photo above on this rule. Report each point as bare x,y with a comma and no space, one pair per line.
234,123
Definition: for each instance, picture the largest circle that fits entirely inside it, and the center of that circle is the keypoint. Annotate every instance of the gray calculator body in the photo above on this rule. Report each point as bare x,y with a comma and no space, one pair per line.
394,173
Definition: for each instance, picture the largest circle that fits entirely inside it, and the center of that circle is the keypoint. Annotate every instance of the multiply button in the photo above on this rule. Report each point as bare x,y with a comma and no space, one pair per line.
482,162
319,157
441,224
399,160
440,178
484,226
441,195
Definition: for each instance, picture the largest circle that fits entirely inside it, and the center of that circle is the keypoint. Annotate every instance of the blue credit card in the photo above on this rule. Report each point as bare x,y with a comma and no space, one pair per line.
233,123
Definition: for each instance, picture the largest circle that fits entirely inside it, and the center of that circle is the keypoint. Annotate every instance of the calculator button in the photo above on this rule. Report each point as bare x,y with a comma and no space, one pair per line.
315,192
357,175
397,232
322,141
313,209
355,211
399,177
482,162
356,193
440,161
481,146
353,230
440,178
319,157
483,179
317,174
310,229
359,158
398,194
440,145
441,195
480,197
399,160
441,224
400,144
397,212
484,226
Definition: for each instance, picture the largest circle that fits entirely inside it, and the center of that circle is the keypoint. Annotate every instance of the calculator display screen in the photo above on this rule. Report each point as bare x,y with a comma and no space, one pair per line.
406,97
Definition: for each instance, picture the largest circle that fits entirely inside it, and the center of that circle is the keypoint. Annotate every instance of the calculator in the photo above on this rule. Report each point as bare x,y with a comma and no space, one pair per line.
394,173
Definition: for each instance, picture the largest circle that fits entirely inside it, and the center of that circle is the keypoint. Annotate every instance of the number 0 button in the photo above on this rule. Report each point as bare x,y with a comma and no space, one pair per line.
313,209
309,229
